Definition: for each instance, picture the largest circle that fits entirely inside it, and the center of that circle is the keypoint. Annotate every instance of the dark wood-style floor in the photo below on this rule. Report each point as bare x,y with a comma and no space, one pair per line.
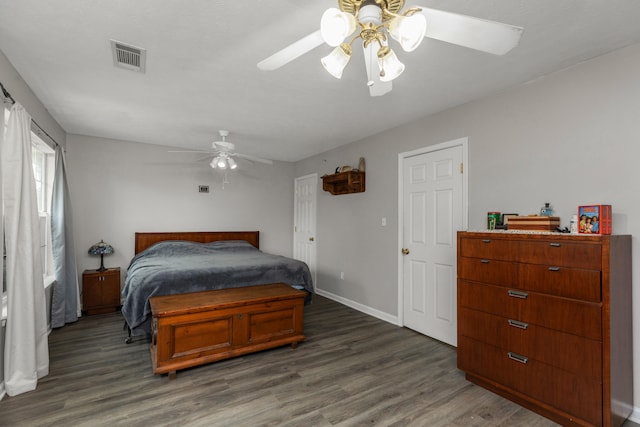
353,370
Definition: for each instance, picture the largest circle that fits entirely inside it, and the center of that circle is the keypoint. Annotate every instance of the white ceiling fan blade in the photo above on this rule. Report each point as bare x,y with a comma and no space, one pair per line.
207,157
253,158
291,52
376,87
190,151
475,33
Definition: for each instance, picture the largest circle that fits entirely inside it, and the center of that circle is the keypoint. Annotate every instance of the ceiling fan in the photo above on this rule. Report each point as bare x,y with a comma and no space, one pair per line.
222,154
374,21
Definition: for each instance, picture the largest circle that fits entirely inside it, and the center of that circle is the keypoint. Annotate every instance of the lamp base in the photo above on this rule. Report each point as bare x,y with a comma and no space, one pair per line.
102,267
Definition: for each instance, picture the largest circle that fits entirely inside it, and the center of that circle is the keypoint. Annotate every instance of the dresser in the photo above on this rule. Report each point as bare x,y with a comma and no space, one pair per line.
544,319
100,291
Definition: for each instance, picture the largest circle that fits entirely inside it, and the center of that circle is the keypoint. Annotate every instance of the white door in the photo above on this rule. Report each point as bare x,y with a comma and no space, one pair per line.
304,218
433,209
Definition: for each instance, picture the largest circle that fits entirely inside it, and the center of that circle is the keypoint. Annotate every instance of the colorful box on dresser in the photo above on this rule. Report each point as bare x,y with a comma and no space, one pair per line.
594,219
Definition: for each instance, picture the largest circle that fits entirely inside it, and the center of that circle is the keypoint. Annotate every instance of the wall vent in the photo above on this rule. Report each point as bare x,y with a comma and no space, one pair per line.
127,56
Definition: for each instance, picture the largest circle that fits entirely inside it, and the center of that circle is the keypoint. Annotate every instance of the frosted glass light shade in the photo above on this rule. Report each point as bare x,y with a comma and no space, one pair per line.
337,60
214,162
222,164
232,163
336,25
390,66
409,31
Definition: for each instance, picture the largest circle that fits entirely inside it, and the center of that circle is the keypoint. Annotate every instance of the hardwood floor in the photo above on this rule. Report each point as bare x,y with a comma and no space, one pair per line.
353,370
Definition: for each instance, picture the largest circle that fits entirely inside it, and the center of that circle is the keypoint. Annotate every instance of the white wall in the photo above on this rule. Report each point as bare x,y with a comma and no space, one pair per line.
118,188
571,138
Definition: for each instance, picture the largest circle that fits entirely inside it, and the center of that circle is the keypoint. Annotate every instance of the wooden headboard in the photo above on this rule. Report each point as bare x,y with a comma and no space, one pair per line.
144,240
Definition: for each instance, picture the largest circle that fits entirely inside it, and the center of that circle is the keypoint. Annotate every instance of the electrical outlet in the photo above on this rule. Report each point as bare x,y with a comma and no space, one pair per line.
342,275
384,221
203,188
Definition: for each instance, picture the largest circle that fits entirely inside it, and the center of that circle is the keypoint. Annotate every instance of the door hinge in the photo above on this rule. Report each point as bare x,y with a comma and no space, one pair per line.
461,167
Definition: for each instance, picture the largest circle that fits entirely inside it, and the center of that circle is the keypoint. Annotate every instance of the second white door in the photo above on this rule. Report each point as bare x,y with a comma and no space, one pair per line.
304,217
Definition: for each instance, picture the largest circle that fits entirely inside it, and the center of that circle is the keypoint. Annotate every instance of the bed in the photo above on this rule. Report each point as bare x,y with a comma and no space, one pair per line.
171,263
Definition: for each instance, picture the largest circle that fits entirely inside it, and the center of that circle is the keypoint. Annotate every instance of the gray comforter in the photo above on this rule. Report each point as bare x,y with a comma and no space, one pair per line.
175,267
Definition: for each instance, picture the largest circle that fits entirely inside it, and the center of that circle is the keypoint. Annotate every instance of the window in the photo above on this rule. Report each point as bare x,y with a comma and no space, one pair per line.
43,162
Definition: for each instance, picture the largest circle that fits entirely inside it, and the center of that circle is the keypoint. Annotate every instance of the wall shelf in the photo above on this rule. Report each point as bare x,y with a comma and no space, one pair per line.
344,182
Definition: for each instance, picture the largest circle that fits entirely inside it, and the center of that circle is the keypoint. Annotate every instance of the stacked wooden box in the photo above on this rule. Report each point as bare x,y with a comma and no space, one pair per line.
539,223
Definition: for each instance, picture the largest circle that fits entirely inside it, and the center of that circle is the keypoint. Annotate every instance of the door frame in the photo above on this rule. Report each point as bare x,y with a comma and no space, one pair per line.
462,142
314,267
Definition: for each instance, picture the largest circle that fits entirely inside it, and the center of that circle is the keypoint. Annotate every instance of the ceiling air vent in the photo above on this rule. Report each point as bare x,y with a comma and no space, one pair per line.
127,56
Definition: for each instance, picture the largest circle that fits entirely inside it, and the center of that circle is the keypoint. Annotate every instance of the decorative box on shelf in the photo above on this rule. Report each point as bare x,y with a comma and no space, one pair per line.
344,182
534,222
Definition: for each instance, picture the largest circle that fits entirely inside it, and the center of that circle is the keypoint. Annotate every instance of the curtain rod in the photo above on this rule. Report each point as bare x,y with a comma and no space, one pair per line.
8,96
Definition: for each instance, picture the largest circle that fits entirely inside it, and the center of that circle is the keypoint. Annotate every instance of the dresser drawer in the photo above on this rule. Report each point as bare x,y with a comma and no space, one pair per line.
562,314
561,253
488,271
561,281
571,353
574,394
488,248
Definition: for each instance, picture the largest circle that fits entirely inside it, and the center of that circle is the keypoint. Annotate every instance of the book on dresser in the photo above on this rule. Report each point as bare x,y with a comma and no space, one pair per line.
544,319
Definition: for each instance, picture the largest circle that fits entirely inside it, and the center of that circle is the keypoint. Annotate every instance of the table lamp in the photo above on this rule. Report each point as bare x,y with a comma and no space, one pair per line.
101,249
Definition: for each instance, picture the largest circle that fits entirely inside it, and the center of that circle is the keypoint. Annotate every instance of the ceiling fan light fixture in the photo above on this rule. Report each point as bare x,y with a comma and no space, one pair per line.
337,60
222,164
409,31
376,21
336,25
232,163
390,65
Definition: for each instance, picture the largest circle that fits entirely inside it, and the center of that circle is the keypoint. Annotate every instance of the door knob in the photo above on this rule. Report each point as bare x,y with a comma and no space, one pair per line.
405,251
311,239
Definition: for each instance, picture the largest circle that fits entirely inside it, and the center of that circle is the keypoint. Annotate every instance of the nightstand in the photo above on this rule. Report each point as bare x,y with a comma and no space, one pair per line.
100,291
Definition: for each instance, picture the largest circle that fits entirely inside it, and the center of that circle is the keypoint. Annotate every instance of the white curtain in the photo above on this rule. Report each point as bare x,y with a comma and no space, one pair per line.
65,304
26,343
2,322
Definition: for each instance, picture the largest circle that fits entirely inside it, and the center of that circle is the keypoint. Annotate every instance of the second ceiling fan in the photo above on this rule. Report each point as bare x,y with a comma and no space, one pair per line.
375,21
222,154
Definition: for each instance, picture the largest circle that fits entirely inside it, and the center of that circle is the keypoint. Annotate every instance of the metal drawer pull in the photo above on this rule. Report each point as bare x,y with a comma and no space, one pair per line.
517,294
555,245
518,357
516,324
486,240
554,268
484,261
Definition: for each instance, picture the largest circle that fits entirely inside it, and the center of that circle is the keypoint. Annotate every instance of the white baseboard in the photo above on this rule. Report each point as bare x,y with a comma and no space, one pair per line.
360,307
635,415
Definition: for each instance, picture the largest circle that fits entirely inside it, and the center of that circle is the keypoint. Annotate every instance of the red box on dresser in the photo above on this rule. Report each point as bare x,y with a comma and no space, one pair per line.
594,219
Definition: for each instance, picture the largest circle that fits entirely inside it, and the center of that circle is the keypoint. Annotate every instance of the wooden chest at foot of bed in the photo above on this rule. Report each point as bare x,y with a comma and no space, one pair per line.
201,327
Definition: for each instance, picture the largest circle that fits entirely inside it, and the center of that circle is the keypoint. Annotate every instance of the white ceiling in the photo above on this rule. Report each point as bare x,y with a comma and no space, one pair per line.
201,72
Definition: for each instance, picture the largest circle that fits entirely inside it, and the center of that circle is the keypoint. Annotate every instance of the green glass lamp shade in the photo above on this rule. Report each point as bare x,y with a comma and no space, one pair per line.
101,248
